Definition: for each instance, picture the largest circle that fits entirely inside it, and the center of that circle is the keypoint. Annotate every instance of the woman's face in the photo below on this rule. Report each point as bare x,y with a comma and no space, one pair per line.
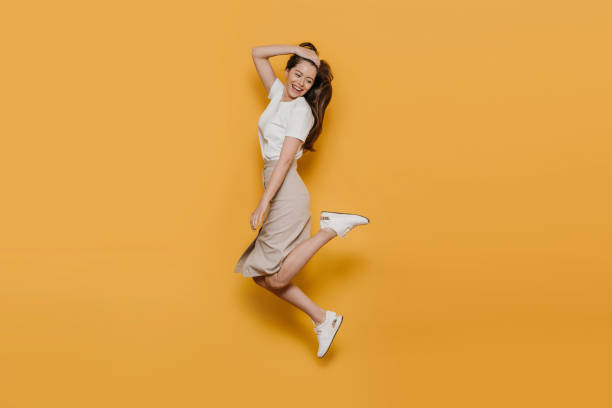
300,79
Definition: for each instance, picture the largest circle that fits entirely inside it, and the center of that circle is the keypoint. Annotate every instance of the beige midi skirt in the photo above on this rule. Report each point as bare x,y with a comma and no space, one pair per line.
286,224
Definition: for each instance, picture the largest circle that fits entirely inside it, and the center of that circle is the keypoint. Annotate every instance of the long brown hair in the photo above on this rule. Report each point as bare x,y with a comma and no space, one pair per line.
318,96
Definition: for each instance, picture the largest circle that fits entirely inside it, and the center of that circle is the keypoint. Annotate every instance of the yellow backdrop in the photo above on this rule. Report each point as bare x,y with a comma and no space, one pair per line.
475,135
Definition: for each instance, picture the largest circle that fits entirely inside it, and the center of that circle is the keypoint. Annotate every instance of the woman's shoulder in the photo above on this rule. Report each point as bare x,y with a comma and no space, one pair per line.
301,111
276,89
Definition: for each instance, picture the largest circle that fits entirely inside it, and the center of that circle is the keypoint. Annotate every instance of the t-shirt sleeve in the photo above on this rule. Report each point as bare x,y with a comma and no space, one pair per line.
300,122
277,86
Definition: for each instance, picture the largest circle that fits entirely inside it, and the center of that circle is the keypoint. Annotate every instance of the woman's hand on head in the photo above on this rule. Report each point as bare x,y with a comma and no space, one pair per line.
309,54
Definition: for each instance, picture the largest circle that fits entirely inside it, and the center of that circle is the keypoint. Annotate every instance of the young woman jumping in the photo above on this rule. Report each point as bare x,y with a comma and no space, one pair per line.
291,122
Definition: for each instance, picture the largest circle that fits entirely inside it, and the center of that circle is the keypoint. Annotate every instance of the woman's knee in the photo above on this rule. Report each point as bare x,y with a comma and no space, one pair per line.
274,282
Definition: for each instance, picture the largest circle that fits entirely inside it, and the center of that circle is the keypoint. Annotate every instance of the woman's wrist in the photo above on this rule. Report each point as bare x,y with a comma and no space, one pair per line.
264,201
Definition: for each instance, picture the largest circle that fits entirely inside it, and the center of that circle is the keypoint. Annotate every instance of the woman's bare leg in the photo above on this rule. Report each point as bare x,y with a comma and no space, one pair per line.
294,295
280,283
297,258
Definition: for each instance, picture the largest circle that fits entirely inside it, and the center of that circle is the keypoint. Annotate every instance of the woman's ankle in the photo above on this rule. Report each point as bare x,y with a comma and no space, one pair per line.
320,318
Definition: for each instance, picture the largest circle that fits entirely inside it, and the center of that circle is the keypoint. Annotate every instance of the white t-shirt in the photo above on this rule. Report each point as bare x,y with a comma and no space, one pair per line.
280,119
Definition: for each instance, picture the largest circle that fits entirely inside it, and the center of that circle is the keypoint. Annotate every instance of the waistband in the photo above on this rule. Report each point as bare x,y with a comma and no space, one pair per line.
272,163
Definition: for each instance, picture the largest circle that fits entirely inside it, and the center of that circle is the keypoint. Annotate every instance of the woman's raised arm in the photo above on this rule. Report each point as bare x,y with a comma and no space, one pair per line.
260,58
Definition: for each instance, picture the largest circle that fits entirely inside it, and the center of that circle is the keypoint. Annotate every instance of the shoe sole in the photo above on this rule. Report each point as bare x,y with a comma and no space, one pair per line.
332,212
334,336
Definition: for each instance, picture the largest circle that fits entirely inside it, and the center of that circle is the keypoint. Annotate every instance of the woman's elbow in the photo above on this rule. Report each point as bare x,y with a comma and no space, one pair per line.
255,52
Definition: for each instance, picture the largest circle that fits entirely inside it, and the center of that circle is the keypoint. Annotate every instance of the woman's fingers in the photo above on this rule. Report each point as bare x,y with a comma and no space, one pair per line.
311,55
315,58
257,217
255,220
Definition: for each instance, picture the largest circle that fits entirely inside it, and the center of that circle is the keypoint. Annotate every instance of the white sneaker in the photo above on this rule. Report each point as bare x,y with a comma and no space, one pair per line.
341,222
326,331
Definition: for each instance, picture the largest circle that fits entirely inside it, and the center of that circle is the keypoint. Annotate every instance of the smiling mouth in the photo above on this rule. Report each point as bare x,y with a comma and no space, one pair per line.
298,90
